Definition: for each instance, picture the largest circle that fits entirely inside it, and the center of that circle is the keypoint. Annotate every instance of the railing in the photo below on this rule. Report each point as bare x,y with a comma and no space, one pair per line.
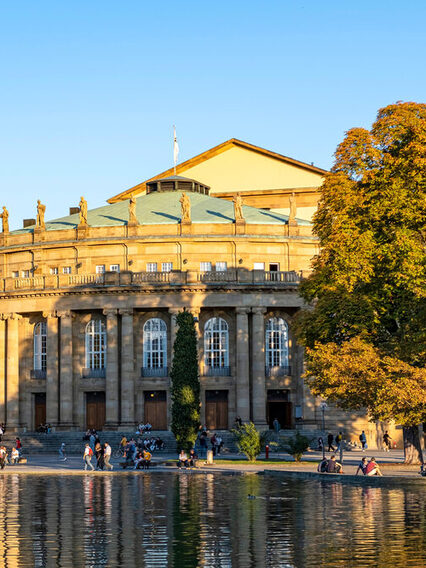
216,371
141,277
38,373
93,373
238,276
222,276
283,371
154,371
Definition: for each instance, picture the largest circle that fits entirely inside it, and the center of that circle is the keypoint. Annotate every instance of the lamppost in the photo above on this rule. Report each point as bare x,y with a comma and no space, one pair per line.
323,406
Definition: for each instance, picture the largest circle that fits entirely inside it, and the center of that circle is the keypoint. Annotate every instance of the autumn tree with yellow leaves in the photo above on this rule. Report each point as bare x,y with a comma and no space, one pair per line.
365,334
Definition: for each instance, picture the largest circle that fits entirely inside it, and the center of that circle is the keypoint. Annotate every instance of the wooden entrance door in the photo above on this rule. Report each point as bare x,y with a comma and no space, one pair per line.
39,409
280,408
217,409
155,409
95,410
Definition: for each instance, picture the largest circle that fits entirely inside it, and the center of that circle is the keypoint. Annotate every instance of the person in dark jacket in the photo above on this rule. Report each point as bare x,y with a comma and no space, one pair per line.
330,442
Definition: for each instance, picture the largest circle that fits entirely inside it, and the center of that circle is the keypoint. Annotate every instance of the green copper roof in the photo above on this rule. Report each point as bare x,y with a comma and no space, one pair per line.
165,208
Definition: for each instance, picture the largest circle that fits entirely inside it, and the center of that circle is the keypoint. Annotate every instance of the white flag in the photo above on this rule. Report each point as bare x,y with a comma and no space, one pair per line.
175,146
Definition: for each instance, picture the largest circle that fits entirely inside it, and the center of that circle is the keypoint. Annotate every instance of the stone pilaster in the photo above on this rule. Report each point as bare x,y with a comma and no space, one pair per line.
258,367
173,329
66,403
111,383
12,372
242,370
52,370
2,369
127,369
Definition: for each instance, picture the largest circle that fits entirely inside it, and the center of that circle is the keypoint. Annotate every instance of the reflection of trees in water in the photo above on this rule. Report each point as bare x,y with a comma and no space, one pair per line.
191,519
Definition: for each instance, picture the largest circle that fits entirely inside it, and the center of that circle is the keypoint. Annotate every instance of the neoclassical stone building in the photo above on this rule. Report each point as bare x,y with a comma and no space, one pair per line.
88,301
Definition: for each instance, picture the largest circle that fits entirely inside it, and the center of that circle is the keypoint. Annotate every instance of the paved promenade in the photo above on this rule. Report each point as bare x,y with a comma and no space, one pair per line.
391,465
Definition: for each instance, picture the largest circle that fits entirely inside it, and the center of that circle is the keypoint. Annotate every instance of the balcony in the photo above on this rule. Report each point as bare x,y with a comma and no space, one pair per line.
38,373
128,279
216,371
93,373
283,371
154,371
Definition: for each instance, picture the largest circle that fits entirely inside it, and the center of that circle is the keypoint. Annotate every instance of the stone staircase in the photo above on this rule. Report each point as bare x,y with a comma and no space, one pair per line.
37,443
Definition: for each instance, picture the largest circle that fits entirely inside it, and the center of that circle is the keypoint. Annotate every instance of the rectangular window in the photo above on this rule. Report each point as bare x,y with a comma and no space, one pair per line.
114,267
100,268
151,267
66,270
25,274
15,274
221,267
205,266
259,266
54,270
166,266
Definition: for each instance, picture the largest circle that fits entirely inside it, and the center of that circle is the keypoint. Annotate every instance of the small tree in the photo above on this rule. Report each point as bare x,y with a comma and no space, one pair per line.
185,387
248,440
296,446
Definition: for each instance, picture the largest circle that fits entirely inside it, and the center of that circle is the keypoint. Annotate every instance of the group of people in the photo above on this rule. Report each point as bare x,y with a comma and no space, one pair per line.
15,454
185,460
102,453
142,428
369,468
44,428
330,440
216,443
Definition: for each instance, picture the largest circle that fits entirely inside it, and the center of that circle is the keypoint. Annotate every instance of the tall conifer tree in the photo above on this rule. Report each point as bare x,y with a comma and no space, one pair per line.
185,388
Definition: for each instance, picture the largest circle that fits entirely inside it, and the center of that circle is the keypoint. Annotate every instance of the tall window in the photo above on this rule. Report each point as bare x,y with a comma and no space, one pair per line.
155,344
205,266
95,344
216,340
276,341
40,349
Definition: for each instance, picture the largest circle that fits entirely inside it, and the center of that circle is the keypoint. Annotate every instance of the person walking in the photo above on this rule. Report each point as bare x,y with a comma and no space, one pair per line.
330,438
363,440
99,456
87,457
387,442
339,439
62,455
107,456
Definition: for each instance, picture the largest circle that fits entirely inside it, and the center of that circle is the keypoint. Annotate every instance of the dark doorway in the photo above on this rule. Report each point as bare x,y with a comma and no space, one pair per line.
217,409
279,407
39,409
155,409
95,410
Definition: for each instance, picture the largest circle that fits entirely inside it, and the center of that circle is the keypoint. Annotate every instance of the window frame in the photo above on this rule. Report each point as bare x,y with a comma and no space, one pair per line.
154,354
40,346
216,343
95,344
276,343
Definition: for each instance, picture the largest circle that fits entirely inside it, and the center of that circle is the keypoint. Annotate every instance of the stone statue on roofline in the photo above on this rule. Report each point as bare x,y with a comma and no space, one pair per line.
293,210
5,220
41,210
133,220
238,207
185,208
83,211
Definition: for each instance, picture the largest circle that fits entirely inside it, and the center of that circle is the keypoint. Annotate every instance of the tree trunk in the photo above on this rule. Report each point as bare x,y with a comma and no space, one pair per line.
412,448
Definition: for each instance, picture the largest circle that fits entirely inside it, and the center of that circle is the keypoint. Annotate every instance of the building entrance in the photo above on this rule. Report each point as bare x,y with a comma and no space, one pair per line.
279,407
95,410
217,409
155,409
39,409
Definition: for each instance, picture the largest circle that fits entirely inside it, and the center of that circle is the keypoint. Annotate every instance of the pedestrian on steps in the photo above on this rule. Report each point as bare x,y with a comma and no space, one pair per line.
62,453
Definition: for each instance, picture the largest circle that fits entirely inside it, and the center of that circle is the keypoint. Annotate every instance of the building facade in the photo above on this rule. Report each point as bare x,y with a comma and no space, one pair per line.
88,305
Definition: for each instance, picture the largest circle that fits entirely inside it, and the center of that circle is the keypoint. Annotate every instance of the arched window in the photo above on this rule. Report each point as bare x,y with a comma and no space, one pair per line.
216,344
276,340
155,344
40,349
95,344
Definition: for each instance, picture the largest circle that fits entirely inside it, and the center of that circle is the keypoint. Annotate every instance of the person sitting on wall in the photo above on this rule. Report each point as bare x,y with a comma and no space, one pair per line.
362,466
146,459
14,456
192,458
372,468
334,466
323,466
182,460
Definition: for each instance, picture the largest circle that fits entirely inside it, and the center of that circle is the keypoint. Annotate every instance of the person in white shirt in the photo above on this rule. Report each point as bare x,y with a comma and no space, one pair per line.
14,456
107,456
87,457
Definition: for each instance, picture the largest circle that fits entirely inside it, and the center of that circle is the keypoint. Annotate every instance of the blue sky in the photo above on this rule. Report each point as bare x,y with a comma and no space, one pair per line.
90,90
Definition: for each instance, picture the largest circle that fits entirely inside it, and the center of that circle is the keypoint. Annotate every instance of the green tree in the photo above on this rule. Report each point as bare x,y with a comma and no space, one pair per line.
249,440
366,334
185,383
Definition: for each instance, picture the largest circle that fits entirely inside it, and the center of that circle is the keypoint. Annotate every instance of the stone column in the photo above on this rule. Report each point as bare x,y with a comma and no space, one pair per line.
12,372
111,383
127,370
242,370
173,329
2,368
258,367
52,371
66,403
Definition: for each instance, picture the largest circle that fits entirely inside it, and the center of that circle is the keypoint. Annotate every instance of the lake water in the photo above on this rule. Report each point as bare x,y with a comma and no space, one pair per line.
188,520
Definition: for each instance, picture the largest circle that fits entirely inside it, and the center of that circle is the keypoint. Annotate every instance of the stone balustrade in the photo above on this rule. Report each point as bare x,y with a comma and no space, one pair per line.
128,278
